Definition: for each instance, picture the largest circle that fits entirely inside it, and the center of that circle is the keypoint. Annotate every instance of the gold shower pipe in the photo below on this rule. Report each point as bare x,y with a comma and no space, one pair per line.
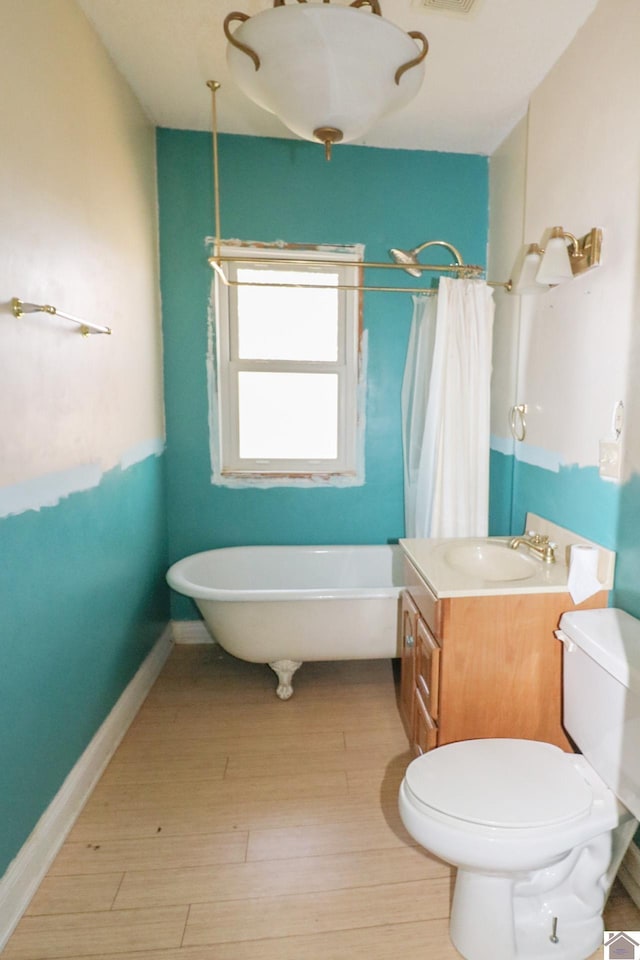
216,261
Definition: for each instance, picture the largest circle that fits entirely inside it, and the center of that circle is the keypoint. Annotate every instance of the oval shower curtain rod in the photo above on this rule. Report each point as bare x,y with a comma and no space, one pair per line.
404,260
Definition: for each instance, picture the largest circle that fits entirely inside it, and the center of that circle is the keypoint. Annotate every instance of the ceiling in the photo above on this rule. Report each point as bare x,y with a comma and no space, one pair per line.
480,72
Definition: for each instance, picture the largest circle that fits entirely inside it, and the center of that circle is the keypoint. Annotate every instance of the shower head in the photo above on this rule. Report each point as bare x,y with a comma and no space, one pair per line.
409,258
406,257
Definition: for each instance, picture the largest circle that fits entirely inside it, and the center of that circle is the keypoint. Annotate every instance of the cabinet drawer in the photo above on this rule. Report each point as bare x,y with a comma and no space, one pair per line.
425,734
430,608
427,668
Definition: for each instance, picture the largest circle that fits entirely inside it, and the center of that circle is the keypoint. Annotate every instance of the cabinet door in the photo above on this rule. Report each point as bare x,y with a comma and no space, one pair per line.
427,668
407,675
425,736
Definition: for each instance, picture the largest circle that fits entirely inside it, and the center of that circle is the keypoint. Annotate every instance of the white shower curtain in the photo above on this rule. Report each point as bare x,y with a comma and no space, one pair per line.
445,412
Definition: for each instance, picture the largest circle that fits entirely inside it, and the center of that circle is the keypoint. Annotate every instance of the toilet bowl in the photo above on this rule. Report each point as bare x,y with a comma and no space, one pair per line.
504,805
537,834
530,830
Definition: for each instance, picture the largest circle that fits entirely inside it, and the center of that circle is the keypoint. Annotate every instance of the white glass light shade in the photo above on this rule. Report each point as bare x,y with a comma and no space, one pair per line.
323,65
556,265
527,281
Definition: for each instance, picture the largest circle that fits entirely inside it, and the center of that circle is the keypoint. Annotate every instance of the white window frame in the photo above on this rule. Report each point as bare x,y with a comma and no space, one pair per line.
346,466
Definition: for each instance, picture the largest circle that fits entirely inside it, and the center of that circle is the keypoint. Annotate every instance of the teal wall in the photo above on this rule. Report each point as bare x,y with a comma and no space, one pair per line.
83,599
573,497
500,493
627,592
578,499
285,190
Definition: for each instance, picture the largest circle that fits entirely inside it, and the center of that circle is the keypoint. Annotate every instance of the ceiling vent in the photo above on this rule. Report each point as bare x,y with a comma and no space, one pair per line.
448,6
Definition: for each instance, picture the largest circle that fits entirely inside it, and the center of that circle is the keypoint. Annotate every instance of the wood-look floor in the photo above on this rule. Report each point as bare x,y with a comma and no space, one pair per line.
232,826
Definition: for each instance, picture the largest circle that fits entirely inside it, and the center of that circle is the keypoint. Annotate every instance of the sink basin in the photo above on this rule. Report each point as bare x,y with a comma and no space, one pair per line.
489,560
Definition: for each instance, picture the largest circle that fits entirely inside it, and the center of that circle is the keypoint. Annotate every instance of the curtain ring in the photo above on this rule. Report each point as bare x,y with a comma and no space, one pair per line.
519,422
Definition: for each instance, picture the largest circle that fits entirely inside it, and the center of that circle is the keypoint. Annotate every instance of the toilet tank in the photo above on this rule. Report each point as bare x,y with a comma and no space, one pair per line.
601,682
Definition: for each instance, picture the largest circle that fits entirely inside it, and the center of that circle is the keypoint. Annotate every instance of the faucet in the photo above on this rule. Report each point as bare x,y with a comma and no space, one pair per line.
538,544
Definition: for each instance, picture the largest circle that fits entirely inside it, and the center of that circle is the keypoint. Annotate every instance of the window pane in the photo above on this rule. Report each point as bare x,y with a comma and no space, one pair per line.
288,416
282,323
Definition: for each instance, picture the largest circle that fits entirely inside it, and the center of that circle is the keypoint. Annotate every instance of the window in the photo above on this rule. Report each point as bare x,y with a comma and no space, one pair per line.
287,366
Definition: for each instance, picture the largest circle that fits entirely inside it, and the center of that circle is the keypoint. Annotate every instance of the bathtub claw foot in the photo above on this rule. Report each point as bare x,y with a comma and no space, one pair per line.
285,670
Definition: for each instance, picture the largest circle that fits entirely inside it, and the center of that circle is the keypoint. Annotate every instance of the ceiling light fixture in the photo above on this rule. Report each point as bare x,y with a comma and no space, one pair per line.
329,72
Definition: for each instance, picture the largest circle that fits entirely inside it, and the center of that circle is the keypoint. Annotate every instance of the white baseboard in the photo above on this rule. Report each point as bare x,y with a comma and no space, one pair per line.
26,872
629,873
190,631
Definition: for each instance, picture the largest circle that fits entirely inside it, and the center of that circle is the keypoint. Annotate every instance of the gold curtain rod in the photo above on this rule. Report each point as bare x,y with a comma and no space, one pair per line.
216,261
464,268
472,271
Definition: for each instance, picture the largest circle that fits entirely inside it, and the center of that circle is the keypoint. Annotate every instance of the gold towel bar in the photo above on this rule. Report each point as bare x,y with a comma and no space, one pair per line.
19,307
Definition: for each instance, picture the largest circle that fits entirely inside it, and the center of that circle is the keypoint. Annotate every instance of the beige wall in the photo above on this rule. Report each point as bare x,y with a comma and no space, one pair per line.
78,229
507,172
582,170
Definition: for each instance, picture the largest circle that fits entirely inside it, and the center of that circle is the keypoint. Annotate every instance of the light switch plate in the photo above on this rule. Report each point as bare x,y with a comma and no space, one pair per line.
610,459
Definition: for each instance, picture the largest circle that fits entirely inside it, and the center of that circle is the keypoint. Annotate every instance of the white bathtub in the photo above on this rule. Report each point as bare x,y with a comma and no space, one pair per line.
285,605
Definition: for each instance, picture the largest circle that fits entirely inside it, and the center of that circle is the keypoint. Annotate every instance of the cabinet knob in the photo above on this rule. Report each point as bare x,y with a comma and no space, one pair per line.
408,641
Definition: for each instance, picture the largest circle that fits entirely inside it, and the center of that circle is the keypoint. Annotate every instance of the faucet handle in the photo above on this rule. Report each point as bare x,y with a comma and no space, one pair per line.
538,538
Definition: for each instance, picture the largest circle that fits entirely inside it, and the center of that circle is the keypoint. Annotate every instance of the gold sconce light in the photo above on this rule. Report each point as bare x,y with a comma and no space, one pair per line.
562,258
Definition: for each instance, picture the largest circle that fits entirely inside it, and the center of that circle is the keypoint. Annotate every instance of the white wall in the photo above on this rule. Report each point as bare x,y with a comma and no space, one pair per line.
78,229
583,171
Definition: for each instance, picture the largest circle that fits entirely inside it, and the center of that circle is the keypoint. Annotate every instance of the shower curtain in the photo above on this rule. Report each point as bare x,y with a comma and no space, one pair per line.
445,412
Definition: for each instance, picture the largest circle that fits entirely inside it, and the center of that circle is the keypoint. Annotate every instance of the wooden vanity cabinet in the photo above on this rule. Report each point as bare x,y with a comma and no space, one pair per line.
426,693
475,667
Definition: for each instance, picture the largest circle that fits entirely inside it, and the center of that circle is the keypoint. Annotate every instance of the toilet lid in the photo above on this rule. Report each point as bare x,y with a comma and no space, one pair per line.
500,783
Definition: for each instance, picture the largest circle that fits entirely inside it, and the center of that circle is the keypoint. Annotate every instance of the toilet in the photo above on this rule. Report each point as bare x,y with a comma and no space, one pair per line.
537,834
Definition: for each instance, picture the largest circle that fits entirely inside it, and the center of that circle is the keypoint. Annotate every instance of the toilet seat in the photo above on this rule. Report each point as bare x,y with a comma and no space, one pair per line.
500,783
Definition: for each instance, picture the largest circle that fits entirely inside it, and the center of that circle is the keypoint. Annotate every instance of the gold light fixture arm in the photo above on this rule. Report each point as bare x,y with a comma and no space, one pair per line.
374,4
585,252
19,308
250,52
416,60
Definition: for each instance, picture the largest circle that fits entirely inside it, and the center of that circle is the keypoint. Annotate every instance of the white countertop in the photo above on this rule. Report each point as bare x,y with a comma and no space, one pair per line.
429,557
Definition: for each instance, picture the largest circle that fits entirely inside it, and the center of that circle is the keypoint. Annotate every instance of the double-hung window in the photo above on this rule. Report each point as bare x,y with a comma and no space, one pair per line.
287,343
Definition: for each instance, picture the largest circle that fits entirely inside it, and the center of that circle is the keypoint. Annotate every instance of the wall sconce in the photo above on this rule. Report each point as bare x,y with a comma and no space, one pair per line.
562,258
526,275
562,261
329,72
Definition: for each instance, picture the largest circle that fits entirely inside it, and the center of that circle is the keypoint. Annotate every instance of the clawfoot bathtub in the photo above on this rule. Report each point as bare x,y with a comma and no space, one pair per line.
286,605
